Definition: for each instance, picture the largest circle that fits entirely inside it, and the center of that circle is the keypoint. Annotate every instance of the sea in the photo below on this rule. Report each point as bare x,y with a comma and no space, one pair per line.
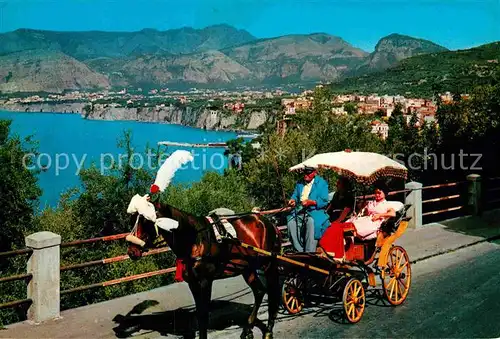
67,143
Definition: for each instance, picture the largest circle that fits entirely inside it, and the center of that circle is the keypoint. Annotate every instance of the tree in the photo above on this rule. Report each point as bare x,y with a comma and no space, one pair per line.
212,191
472,127
397,125
19,194
103,194
379,113
398,110
238,150
19,187
322,100
351,108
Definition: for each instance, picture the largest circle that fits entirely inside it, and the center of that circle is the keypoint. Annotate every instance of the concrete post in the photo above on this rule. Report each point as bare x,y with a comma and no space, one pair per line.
414,198
474,194
44,265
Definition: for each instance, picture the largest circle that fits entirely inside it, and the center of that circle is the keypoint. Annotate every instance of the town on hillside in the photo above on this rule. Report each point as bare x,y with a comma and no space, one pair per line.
236,102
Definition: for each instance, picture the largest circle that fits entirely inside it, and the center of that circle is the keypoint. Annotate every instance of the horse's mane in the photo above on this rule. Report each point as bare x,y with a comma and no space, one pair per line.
175,212
203,218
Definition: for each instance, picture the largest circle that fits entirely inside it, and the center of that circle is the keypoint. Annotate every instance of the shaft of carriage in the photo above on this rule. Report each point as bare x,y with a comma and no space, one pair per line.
282,258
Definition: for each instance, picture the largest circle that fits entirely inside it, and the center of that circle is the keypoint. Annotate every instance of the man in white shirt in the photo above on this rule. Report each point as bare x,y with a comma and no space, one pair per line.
310,194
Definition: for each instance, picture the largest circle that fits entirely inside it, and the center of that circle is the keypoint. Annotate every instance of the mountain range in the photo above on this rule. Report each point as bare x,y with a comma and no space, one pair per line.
221,55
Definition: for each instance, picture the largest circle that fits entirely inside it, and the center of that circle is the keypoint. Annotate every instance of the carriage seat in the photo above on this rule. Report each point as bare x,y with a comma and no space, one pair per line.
390,225
363,249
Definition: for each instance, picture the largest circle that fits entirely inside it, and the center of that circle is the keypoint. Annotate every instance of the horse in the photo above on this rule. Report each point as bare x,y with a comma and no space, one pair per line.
207,260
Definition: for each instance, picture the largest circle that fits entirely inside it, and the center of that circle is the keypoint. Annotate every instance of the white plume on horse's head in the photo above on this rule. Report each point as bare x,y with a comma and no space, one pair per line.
142,206
168,169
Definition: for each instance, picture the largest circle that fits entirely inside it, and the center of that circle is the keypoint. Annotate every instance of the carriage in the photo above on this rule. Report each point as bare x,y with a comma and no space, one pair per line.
314,277
203,255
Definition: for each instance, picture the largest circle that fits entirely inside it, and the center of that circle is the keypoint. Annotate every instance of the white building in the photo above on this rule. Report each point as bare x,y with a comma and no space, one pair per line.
380,128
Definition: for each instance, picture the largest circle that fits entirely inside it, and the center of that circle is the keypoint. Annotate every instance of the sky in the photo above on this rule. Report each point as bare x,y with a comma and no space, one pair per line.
455,24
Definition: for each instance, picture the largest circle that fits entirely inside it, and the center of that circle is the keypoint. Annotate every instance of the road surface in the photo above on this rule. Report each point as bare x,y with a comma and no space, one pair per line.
455,295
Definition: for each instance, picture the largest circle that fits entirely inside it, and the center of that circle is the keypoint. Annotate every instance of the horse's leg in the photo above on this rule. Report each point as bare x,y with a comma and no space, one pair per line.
258,292
202,293
273,297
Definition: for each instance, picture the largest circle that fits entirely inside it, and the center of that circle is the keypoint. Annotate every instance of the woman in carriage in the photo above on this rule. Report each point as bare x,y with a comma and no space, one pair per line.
342,203
365,225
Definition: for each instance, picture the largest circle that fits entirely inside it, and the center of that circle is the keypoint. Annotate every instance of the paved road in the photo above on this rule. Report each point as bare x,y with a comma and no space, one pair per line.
456,295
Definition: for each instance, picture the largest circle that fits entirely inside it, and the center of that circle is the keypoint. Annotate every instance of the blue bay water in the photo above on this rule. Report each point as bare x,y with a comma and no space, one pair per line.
70,137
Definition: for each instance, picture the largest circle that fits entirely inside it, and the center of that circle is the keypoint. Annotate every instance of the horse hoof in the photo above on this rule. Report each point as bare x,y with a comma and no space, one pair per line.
268,335
247,335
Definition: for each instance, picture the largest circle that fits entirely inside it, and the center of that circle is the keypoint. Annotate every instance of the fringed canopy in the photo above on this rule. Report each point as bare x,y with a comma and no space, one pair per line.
363,167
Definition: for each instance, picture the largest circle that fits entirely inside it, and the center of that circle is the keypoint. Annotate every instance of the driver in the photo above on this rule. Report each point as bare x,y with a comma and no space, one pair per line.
311,197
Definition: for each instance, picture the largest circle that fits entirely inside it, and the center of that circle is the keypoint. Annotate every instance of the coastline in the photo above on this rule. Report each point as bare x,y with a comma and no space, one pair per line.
204,120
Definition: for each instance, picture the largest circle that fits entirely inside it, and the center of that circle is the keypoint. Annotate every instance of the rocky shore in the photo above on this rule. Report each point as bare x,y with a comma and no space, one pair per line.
201,118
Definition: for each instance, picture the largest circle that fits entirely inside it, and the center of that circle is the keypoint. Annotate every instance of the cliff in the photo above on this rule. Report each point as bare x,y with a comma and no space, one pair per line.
202,118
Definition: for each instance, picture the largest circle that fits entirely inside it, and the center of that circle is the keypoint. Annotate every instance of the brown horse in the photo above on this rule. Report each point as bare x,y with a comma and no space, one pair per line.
206,260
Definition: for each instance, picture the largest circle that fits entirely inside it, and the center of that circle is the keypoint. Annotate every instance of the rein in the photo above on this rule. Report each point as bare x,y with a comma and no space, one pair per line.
254,212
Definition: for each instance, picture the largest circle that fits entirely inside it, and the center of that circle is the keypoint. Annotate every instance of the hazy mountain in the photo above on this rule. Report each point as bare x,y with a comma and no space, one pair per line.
200,68
50,71
214,55
95,44
298,57
292,58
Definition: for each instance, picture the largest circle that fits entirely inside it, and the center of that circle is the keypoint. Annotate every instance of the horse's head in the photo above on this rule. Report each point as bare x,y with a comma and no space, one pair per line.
144,231
147,224
142,236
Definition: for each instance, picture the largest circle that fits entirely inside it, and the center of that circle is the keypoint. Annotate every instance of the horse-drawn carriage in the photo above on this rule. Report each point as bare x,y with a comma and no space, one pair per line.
323,277
250,246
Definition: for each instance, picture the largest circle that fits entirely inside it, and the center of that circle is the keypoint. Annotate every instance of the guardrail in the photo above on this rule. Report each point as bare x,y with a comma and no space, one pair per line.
463,196
443,199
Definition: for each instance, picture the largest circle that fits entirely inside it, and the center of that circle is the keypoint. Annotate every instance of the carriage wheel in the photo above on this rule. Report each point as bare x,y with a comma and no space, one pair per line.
292,295
396,277
354,300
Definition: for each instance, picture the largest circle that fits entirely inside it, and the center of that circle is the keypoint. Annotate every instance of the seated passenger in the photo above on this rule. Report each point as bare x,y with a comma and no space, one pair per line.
342,203
365,226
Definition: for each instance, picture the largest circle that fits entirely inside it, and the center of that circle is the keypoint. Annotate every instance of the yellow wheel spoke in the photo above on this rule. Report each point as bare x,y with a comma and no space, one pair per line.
354,300
391,282
400,258
356,291
289,300
396,289
352,310
357,313
404,287
403,267
396,286
392,288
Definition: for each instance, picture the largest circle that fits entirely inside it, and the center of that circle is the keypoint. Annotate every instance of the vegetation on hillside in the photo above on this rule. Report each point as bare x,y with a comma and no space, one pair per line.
426,75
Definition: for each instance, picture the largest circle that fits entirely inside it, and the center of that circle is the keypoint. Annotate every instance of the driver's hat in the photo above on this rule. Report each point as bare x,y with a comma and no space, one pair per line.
309,169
